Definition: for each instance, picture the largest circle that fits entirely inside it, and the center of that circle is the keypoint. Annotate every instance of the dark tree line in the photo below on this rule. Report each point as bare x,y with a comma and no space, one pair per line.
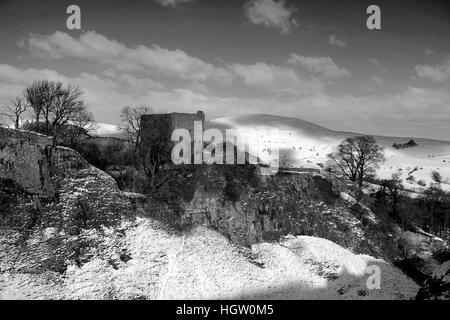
355,160
428,210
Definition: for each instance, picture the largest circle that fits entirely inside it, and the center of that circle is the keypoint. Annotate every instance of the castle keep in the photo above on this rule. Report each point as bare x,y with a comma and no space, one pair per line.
156,129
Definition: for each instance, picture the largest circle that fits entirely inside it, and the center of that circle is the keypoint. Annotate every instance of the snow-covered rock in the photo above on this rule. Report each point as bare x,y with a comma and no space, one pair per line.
203,264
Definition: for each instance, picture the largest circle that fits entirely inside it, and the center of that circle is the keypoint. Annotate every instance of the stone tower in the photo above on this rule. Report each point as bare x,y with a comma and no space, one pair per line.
157,129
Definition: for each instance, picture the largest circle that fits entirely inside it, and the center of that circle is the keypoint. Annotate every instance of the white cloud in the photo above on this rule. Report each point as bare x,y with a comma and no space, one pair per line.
96,47
319,65
271,13
435,73
118,57
429,52
374,61
277,78
425,112
129,79
13,75
333,41
104,96
377,79
172,3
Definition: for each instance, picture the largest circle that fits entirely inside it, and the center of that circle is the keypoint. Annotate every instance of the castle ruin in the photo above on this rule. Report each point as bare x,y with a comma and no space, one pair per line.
156,129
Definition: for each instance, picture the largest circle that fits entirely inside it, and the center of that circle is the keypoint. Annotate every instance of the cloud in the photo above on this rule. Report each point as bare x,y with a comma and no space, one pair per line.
172,3
374,61
271,13
117,57
15,76
277,78
96,47
435,73
377,79
424,111
104,96
319,65
429,52
335,42
127,76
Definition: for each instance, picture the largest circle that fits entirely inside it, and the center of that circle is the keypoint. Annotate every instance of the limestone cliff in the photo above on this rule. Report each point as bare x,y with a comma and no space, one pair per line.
26,159
52,241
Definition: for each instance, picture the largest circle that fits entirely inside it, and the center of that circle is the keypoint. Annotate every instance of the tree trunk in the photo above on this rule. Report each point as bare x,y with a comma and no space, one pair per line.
432,216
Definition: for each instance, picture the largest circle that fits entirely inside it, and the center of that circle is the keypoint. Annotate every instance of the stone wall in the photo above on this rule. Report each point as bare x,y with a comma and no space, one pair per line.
25,158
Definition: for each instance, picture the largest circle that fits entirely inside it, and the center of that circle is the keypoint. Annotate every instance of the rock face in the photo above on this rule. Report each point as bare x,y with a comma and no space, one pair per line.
421,244
39,234
438,286
77,239
419,249
249,208
26,158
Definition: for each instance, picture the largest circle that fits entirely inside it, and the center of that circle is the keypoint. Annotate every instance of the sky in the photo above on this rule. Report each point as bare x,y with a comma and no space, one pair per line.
311,59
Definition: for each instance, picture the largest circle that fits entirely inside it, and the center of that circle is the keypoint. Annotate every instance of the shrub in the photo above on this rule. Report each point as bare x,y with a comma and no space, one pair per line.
436,176
421,183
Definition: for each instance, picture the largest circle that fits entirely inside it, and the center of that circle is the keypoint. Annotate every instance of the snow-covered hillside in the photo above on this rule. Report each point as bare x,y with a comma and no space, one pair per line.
148,261
96,242
106,130
304,144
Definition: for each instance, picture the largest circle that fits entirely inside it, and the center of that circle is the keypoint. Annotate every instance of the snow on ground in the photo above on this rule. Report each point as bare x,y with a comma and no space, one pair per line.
304,145
143,259
106,130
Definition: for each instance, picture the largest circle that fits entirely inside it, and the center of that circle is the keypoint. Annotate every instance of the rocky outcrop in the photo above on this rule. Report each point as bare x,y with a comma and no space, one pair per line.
26,158
420,244
249,208
39,235
438,286
410,144
82,229
419,250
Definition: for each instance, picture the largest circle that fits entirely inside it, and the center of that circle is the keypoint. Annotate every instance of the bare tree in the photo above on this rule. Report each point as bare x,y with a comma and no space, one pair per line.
155,155
392,188
55,107
67,108
14,110
81,125
131,123
40,96
357,158
435,195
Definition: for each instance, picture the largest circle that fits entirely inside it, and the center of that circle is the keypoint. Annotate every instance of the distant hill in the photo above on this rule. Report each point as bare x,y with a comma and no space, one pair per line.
107,130
305,144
